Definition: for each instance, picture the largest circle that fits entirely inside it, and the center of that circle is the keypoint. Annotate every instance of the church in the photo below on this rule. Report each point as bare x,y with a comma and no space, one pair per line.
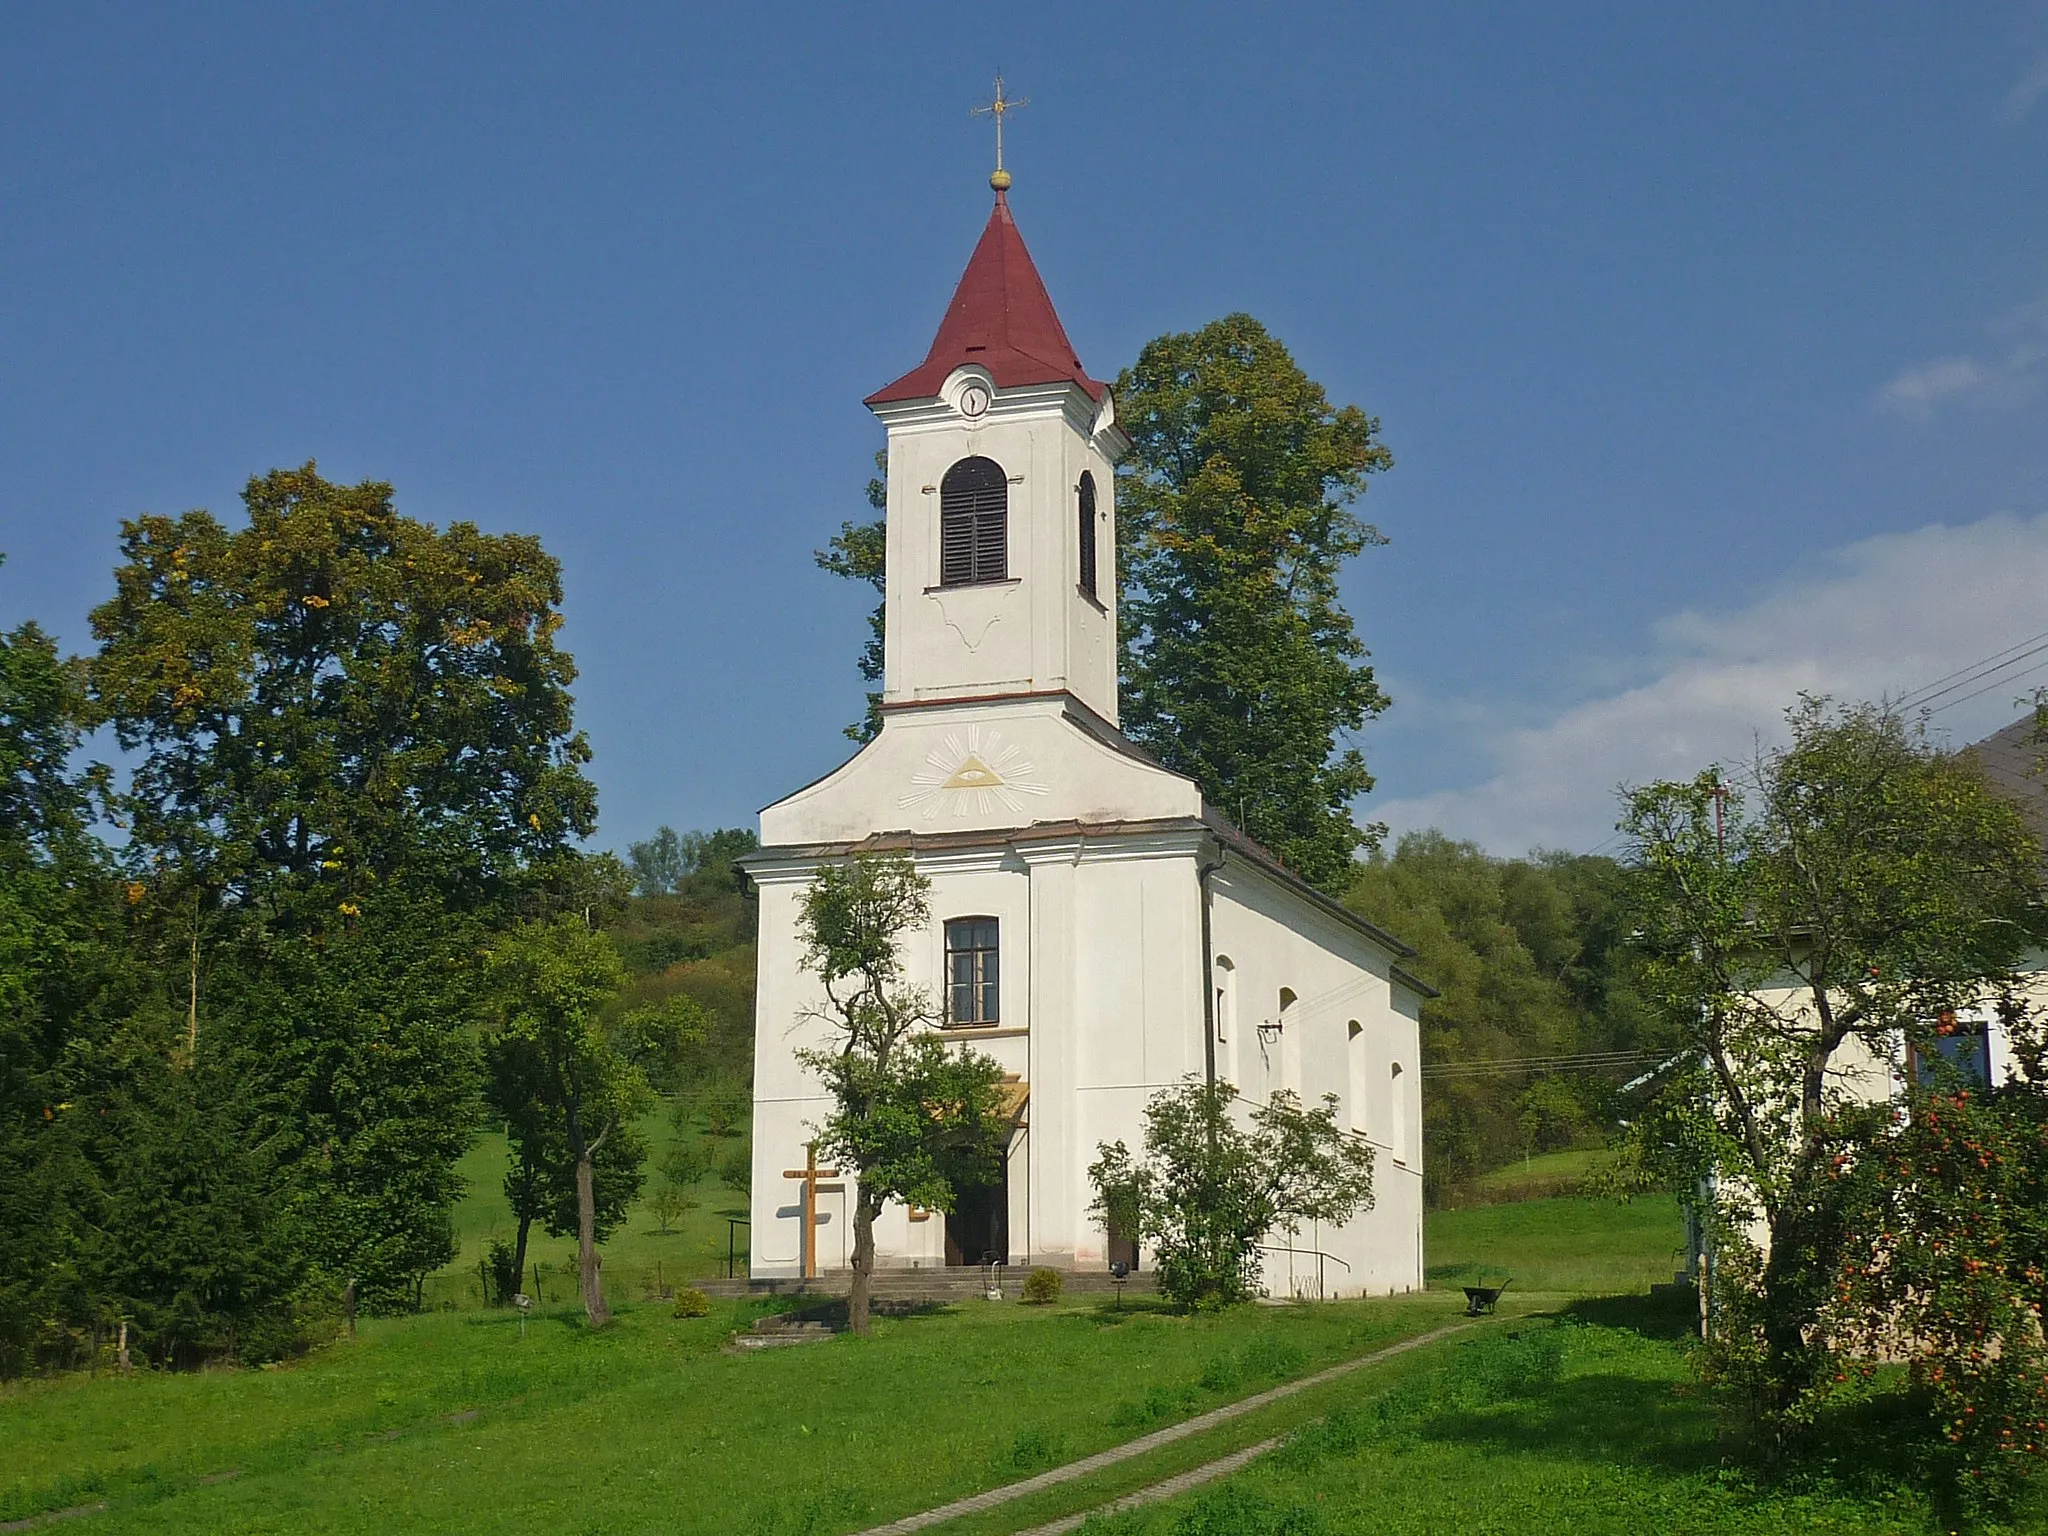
1097,928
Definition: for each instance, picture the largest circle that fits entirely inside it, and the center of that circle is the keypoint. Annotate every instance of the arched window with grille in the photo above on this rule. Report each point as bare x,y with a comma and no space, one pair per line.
1087,516
974,524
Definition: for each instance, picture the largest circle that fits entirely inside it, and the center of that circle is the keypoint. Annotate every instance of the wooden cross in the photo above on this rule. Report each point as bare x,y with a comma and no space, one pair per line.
812,1175
998,109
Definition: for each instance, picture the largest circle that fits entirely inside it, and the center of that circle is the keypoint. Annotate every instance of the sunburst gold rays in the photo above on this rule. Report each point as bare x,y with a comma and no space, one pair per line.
972,773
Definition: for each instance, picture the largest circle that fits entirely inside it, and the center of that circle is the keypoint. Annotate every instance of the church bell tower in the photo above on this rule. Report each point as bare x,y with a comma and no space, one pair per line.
1001,516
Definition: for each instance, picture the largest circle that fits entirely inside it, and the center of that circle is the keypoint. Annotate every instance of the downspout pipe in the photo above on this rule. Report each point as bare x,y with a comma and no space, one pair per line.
1209,984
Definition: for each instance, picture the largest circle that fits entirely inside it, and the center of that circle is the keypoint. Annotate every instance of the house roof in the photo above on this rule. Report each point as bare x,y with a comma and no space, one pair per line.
2012,762
1001,319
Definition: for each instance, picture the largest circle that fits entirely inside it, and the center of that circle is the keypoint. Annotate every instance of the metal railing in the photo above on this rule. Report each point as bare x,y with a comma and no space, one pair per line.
1316,1253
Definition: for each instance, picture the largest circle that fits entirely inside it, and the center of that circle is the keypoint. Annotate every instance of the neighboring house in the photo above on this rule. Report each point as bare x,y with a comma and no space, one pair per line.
1097,928
1973,1039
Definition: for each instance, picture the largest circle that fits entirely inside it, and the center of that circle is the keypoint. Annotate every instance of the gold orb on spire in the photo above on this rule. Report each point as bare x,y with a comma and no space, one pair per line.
998,109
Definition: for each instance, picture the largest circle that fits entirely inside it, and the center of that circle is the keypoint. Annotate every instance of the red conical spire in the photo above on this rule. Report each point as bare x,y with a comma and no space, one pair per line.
1001,319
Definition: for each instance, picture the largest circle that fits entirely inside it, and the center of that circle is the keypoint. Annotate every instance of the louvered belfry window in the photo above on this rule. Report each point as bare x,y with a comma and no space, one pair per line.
974,524
1087,533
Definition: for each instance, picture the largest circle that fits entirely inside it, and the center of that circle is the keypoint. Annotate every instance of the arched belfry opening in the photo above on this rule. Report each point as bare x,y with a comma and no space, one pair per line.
974,524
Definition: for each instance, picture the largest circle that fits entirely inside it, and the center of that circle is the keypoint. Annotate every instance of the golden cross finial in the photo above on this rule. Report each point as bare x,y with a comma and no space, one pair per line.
999,109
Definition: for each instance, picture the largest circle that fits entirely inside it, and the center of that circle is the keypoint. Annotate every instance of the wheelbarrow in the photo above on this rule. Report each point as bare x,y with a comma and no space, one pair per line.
1481,1299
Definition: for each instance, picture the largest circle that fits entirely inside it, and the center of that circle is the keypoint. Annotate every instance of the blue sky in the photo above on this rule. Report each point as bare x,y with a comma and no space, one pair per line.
1711,346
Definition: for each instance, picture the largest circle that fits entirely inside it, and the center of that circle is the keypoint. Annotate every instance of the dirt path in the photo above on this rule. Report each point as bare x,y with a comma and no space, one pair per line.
976,1503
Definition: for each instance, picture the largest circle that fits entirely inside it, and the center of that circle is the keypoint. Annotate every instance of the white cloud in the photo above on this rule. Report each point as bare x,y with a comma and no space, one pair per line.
2008,375
1916,391
2024,96
1880,617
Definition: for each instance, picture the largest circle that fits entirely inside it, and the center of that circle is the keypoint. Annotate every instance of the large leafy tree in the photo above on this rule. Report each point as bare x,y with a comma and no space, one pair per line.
335,697
912,1115
1858,887
355,758
1241,667
1213,1183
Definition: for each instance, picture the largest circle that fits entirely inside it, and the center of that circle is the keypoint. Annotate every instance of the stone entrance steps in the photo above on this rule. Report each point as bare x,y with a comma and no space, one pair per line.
935,1284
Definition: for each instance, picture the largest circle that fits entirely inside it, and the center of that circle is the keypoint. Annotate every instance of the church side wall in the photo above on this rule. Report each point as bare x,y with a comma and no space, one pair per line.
1336,1023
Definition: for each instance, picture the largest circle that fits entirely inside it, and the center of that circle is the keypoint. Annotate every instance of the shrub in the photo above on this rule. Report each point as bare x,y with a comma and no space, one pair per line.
1235,1510
1157,1405
1208,1190
736,1169
691,1302
1044,1286
1035,1448
499,1279
1267,1354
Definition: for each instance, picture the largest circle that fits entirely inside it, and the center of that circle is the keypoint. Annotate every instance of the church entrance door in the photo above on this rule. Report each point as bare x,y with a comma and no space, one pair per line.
978,1226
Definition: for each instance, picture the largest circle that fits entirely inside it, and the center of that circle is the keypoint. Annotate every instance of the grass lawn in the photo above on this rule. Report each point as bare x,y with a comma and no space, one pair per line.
1574,1245
1534,1178
1579,1409
1592,1424
449,1422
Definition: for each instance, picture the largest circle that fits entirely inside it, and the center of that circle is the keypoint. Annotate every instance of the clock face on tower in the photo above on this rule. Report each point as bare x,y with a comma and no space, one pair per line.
974,401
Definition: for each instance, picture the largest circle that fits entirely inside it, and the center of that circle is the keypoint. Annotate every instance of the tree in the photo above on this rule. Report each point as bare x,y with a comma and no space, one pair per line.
1946,1219
701,863
1858,886
686,1166
658,864
859,552
335,698
52,876
541,1167
913,1116
566,1075
1240,666
1211,1188
355,757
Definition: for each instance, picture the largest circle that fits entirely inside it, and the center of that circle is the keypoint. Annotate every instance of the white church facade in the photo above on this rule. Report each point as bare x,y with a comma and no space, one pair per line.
1096,928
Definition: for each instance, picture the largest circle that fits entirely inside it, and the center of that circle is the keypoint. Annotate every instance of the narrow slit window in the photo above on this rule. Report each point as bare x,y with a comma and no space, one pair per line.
974,524
1087,517
1354,1046
973,971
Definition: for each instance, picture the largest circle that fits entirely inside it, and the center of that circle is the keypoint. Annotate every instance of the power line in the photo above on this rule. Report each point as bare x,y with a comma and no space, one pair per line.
1581,1061
1935,689
2005,682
